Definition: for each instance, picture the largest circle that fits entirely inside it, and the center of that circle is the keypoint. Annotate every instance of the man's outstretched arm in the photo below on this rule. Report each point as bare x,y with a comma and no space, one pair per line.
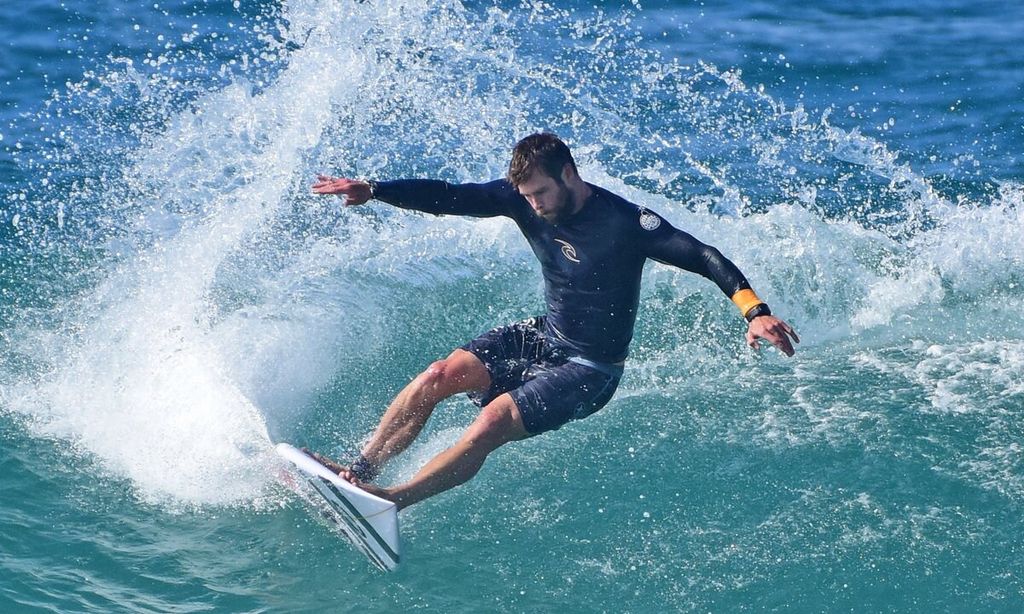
427,195
673,246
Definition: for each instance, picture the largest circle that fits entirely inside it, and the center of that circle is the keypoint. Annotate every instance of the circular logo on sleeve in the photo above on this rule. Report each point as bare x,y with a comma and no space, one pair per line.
649,221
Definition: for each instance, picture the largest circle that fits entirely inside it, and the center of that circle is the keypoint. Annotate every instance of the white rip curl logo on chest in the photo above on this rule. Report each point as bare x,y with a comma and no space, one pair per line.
568,251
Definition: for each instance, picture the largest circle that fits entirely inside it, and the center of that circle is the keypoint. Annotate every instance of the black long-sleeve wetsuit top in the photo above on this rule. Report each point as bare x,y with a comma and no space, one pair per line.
592,261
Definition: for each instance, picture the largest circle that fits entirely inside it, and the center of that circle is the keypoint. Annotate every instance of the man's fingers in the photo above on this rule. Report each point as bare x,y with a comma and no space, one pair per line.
792,333
776,333
780,340
329,185
784,345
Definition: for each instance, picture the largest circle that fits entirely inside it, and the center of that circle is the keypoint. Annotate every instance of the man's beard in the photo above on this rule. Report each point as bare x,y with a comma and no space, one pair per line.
562,212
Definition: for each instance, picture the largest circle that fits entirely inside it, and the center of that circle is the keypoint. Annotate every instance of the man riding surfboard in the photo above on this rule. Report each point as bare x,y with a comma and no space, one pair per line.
534,376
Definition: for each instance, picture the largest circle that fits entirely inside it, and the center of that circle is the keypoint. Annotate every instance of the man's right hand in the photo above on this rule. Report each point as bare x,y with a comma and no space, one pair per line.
354,192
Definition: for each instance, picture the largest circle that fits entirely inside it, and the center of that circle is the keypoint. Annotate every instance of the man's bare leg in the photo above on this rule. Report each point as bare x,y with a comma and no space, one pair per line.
408,413
497,424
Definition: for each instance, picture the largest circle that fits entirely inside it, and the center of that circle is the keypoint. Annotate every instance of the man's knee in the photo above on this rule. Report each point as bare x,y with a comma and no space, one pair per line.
450,376
433,381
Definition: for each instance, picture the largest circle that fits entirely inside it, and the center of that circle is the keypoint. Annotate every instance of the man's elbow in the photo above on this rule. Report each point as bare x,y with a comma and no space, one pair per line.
714,259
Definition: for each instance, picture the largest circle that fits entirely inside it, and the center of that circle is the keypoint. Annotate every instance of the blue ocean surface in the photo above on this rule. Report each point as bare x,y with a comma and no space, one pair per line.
174,300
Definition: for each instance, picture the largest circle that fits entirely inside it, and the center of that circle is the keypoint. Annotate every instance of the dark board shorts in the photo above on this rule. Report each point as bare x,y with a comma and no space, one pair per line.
549,385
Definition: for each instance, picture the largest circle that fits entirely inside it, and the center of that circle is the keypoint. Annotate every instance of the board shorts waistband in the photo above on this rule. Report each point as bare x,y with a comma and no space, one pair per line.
612,369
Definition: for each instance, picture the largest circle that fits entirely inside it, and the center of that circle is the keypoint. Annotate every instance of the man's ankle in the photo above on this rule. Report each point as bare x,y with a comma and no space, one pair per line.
364,469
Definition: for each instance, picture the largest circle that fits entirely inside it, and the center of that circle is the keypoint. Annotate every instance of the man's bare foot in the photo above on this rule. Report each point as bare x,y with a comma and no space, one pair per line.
383,493
340,470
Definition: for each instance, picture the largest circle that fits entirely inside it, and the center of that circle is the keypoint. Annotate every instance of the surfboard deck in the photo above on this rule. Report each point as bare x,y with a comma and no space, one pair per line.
367,521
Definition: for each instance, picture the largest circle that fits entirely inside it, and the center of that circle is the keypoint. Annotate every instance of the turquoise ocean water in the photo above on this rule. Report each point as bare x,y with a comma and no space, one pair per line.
173,300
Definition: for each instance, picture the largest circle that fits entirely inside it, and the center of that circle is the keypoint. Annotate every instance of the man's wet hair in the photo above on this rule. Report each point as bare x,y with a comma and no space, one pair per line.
542,151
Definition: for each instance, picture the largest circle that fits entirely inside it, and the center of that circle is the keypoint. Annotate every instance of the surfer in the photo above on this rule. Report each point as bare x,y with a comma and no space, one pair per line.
536,375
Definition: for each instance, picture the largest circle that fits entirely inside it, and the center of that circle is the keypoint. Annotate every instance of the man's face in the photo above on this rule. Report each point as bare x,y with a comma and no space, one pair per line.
550,199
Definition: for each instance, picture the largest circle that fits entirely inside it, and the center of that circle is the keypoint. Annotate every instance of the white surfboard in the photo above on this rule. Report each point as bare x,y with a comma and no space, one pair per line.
369,522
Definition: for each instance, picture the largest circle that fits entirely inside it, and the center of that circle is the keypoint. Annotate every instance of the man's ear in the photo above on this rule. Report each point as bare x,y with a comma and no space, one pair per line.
569,173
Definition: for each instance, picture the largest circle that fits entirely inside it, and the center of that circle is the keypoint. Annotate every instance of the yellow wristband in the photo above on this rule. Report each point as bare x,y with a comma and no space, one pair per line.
746,300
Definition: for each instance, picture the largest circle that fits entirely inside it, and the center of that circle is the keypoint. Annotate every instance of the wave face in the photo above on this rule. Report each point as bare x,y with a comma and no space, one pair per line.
175,300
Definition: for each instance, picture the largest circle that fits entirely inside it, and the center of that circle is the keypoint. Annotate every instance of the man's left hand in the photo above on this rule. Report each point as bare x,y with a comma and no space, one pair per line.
773,330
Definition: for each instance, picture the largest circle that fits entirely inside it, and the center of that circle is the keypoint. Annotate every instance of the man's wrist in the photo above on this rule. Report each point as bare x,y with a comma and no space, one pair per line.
749,304
760,309
373,188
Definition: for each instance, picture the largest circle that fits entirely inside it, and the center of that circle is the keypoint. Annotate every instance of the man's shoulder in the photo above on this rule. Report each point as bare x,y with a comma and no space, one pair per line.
501,188
614,200
502,185
625,212
497,191
636,220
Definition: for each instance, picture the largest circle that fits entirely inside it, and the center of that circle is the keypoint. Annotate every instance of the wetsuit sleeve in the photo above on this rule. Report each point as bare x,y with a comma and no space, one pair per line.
442,198
670,245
